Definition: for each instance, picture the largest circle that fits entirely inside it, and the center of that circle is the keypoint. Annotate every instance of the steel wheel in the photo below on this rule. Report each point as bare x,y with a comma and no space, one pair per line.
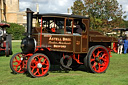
7,49
16,63
66,62
97,60
38,65
9,40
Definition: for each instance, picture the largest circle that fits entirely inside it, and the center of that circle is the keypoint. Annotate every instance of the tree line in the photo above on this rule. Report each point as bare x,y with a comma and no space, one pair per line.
104,14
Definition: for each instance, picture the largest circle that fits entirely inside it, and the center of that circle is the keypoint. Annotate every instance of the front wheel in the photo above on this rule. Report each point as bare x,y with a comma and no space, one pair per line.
16,63
97,59
38,65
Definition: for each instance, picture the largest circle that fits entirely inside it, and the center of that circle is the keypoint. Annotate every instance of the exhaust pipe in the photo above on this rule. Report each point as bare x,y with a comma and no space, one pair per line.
29,21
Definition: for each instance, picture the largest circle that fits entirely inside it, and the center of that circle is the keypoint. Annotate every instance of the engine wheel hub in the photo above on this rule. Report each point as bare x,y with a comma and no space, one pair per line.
39,65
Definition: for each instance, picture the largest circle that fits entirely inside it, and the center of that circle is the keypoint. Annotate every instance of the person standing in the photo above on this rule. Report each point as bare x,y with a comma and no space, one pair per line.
125,45
120,45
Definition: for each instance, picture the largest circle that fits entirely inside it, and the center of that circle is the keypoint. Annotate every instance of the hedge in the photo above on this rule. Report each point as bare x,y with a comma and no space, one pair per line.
16,30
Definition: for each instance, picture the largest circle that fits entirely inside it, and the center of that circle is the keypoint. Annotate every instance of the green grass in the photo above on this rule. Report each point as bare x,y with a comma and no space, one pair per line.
116,74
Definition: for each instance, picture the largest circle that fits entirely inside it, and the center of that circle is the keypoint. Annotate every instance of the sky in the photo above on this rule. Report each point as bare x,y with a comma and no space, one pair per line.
57,6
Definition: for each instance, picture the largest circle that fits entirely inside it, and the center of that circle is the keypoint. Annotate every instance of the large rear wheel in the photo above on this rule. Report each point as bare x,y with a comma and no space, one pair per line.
38,65
97,59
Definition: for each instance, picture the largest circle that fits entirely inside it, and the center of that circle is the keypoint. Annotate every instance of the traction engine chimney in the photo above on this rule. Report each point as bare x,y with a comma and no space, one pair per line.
29,21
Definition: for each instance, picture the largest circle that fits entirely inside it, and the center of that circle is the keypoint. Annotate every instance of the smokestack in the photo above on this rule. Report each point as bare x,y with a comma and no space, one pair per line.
29,21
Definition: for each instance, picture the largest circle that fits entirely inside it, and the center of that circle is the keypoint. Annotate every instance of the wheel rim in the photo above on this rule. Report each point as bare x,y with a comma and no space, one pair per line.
18,63
39,65
99,60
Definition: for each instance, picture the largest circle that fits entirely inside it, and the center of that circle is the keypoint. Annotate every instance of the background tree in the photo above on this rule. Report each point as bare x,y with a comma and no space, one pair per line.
78,8
104,14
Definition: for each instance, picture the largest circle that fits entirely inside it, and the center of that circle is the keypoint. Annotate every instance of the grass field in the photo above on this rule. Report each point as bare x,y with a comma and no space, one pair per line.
116,74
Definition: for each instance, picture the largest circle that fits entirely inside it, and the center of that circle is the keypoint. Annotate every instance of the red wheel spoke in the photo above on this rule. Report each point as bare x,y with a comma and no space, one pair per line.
98,53
38,57
16,65
34,61
104,60
94,55
16,68
94,65
102,56
36,71
99,66
45,68
42,70
44,62
19,56
40,60
103,64
33,68
16,59
19,70
92,60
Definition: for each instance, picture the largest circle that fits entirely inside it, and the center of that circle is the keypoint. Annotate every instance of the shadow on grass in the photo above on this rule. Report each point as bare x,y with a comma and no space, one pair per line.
26,73
56,69
2,53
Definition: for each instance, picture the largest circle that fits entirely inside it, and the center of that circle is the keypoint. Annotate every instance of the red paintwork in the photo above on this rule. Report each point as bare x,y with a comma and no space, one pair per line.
109,50
4,44
21,65
4,25
1,49
39,71
48,48
103,56
115,48
39,49
77,60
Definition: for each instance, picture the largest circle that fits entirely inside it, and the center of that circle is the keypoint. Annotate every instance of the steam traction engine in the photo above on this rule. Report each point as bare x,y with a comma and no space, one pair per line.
5,40
64,40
